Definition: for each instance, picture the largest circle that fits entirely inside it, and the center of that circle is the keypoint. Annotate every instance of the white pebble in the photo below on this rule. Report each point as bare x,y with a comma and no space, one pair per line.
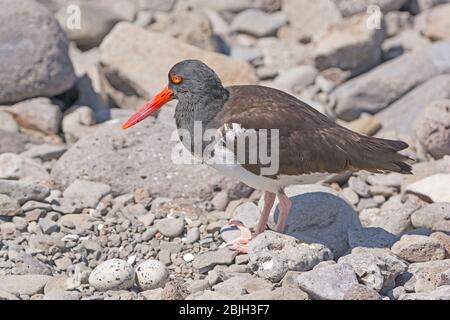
188,257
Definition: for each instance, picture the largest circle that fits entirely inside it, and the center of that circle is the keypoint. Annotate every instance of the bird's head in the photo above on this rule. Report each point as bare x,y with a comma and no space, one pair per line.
186,79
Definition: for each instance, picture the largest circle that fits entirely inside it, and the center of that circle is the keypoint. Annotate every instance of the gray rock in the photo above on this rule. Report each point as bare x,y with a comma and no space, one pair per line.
77,124
29,284
310,18
98,20
170,227
272,255
80,222
15,167
48,226
146,219
151,274
114,274
256,23
8,123
38,114
328,283
432,127
62,295
402,113
7,296
125,69
433,23
361,292
441,293
435,216
352,98
392,179
248,54
376,268
424,276
23,191
395,216
351,7
45,152
350,195
12,142
193,235
87,192
319,214
349,45
27,264
35,59
210,259
248,213
108,150
371,238
156,5
359,186
417,248
7,228
9,207
296,78
407,41
149,233
396,22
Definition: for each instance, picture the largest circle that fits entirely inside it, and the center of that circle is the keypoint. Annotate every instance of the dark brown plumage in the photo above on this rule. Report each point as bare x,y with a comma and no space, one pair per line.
309,141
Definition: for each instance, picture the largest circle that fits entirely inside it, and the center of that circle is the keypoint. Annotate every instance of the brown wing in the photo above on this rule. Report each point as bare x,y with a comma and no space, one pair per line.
309,141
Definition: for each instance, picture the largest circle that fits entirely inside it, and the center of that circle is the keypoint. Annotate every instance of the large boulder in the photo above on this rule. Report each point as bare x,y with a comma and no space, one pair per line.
34,59
375,90
402,113
135,65
136,158
349,45
319,214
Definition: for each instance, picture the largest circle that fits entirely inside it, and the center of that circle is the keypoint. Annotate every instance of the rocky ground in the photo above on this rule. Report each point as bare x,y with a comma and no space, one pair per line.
88,211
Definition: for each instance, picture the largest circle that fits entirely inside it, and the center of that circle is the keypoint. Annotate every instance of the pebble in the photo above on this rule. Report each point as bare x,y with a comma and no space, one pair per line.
170,227
193,235
417,248
114,274
149,233
151,274
9,207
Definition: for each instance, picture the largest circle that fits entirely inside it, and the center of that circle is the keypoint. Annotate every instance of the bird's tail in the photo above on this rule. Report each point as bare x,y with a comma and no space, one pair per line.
381,155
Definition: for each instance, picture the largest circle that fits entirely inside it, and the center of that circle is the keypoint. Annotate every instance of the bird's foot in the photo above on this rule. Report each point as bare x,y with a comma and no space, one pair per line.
240,244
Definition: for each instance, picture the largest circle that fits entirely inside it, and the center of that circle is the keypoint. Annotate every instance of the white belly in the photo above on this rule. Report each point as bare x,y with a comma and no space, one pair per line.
236,171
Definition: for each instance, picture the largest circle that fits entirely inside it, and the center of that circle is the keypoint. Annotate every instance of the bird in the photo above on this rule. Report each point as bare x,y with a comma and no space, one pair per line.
309,146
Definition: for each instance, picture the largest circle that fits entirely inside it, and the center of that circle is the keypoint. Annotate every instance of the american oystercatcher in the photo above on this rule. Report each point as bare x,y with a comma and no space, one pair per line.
305,145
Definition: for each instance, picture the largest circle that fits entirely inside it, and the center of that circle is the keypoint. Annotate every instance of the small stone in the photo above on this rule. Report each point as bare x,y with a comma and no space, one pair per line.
45,152
170,227
147,219
48,226
361,292
149,234
350,195
220,201
114,274
193,235
151,274
296,79
435,216
188,257
256,23
7,228
62,295
8,206
89,193
328,283
210,259
23,191
359,186
417,248
272,254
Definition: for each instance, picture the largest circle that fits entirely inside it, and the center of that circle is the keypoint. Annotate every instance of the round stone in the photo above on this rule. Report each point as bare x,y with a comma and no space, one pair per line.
170,227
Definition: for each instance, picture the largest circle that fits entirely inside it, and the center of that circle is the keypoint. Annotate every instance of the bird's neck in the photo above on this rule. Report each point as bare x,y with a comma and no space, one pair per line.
196,110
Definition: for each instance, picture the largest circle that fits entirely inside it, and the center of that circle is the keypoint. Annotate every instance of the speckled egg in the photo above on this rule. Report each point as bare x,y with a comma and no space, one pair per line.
114,274
151,274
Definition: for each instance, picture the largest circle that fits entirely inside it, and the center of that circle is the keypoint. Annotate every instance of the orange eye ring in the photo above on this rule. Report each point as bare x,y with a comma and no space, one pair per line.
176,79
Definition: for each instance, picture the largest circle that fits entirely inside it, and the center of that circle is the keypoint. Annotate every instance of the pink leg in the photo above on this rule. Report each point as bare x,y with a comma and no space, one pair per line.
269,199
284,209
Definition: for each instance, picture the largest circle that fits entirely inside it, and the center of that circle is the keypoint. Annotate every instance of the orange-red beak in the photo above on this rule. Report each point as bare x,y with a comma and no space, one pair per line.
149,108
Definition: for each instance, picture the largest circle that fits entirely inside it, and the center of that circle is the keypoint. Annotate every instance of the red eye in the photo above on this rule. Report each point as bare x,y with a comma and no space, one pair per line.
176,79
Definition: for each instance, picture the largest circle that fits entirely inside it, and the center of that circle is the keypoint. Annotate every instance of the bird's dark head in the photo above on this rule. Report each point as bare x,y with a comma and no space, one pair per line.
188,80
